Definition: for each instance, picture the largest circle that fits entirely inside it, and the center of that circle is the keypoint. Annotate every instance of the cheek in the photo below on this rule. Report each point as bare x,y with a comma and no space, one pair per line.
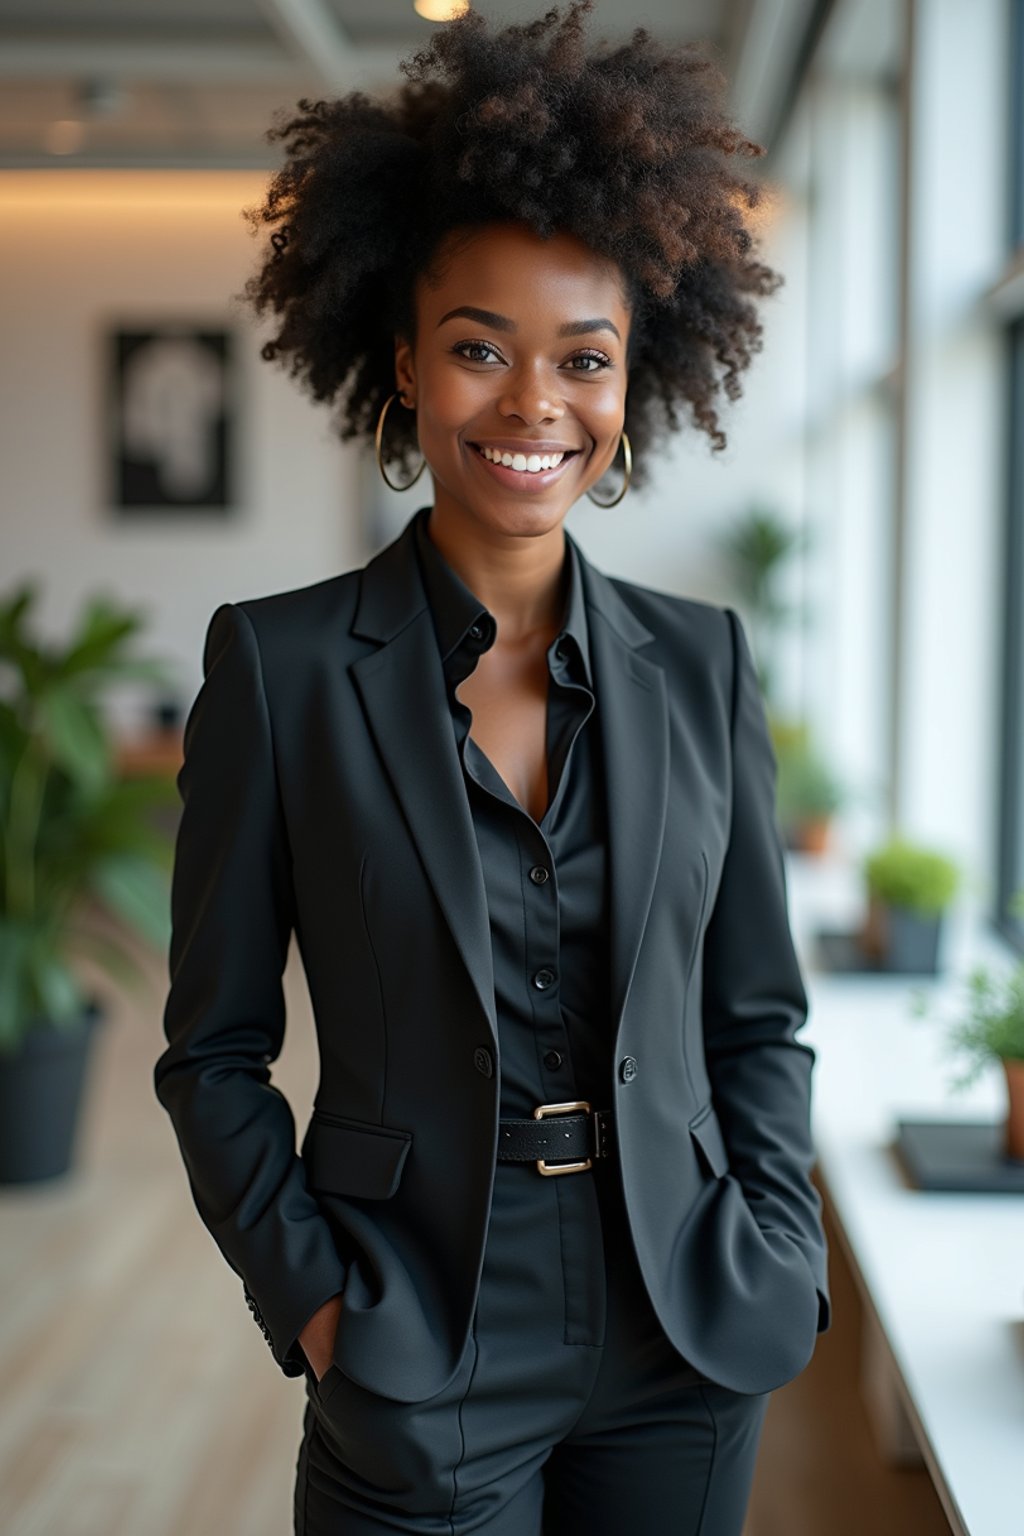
603,412
451,398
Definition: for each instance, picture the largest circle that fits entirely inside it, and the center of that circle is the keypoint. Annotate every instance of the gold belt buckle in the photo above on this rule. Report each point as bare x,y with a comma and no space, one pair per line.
561,1109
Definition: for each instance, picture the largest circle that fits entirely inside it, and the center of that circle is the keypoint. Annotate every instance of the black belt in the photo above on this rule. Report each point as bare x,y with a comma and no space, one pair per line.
578,1133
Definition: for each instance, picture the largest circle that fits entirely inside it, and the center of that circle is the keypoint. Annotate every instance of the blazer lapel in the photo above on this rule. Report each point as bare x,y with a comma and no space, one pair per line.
632,709
402,689
403,692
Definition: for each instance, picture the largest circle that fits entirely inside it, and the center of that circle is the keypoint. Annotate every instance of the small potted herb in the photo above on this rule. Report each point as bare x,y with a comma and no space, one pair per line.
990,1028
909,889
808,793
72,831
757,548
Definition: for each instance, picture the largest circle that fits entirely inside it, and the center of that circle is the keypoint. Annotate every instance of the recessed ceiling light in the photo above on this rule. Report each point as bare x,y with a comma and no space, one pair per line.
440,10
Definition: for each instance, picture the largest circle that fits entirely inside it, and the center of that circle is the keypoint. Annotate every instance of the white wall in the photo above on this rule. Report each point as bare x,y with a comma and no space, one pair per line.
83,250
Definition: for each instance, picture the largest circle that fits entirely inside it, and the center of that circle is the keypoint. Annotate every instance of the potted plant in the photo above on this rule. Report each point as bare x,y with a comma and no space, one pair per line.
989,1029
756,549
808,793
71,830
909,888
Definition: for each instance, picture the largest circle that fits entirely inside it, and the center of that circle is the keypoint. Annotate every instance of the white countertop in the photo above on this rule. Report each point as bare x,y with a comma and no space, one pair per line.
944,1273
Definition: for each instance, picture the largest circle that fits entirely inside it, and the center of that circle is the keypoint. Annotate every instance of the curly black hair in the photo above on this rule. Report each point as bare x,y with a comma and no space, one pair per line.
624,146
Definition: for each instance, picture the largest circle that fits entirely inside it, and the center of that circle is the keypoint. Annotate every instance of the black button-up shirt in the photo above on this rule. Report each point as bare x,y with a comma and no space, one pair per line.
546,883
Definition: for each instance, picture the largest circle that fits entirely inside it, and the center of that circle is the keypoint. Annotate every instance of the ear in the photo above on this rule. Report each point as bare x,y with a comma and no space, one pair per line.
405,371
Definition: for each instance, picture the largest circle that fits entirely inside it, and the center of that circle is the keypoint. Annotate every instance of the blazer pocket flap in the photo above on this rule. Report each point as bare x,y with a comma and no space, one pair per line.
706,1131
353,1157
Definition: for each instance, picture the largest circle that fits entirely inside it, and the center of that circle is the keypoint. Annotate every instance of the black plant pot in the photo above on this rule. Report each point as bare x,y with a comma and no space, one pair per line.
42,1085
911,942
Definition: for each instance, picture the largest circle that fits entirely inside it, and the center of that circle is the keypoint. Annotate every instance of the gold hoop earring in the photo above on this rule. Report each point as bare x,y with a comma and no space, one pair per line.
628,456
377,442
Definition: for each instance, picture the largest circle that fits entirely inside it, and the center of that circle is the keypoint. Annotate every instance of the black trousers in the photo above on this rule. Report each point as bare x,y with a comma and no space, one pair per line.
570,1414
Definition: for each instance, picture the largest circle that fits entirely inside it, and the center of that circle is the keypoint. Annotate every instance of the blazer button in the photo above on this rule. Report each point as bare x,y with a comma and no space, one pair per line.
627,1068
482,1061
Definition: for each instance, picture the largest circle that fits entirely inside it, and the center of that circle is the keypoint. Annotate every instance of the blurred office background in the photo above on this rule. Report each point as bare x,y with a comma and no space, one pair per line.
878,450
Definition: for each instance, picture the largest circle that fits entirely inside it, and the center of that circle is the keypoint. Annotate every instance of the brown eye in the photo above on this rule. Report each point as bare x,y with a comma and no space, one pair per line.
595,357
483,346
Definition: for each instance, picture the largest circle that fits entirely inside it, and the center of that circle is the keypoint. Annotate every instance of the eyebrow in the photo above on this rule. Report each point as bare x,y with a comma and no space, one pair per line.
503,323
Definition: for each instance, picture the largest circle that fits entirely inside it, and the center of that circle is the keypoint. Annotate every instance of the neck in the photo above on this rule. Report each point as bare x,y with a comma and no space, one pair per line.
520,578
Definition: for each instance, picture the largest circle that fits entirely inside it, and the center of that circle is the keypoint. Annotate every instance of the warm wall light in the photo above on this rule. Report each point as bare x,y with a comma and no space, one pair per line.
86,191
440,10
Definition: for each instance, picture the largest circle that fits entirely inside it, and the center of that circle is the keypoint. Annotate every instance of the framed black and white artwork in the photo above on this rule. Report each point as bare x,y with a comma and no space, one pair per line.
172,420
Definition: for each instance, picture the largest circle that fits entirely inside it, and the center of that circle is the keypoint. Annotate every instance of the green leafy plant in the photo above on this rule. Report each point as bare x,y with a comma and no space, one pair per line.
71,827
905,874
990,1026
805,783
756,548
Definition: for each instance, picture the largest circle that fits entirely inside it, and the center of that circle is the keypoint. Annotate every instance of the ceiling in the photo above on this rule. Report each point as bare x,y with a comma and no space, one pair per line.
195,83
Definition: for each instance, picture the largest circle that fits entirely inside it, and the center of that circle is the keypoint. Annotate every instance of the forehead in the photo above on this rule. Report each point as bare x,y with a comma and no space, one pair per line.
509,267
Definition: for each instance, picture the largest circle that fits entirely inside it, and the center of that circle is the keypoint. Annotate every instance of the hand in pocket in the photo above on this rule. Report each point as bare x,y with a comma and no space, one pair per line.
318,1335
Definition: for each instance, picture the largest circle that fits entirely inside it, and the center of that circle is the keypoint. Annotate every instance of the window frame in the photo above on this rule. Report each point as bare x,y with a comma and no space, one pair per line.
1010,833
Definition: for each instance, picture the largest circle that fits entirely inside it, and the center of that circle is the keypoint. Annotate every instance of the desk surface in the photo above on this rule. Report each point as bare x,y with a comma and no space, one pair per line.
943,1272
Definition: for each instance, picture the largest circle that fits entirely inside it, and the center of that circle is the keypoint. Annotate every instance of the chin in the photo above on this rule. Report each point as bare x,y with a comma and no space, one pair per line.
522,516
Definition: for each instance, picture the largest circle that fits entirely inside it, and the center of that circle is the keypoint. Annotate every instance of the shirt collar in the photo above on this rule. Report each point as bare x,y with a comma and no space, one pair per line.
456,609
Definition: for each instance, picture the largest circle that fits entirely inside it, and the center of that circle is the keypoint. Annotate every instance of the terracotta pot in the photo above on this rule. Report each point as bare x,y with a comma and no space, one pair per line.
1015,1114
812,834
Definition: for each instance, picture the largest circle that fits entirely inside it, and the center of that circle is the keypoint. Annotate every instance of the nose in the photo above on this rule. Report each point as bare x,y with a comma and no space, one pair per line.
531,394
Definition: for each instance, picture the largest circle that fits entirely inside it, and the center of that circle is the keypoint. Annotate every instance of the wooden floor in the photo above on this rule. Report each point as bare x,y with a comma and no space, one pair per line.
137,1397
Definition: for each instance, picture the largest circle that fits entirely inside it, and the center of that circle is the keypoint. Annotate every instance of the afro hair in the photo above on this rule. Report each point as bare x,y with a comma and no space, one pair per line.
625,146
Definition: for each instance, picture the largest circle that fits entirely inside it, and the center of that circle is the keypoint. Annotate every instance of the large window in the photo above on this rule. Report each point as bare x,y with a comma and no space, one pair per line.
1011,838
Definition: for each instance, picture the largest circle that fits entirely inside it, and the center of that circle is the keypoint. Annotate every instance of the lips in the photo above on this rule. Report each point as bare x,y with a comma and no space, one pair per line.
525,480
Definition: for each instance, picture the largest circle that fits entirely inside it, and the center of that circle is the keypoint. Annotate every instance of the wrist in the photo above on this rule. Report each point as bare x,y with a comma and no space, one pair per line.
316,1337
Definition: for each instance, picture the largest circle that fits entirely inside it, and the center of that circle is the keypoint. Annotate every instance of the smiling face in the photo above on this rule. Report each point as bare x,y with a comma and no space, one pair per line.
520,351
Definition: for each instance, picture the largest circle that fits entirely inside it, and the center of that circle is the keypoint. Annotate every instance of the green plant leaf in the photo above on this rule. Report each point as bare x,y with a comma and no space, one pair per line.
137,892
61,996
103,630
75,736
15,1007
906,874
71,825
989,1024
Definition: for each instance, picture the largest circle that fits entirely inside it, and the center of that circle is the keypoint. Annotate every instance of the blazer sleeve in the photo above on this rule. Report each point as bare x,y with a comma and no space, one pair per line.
224,1018
754,1001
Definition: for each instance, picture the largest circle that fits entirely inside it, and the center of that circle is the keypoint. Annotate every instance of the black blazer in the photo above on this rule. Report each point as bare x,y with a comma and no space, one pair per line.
322,793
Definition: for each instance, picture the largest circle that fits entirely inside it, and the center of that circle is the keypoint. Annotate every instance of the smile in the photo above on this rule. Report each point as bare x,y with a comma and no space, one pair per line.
523,471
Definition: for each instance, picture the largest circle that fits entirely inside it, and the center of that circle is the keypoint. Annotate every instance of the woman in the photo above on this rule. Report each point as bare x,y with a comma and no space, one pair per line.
551,1239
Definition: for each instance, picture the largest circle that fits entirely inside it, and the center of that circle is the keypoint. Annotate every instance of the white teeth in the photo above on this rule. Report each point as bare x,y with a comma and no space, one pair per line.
531,463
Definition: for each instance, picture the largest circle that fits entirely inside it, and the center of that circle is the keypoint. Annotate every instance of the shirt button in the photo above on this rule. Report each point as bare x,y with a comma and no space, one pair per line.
477,631
552,1059
627,1068
561,654
543,978
538,874
482,1061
